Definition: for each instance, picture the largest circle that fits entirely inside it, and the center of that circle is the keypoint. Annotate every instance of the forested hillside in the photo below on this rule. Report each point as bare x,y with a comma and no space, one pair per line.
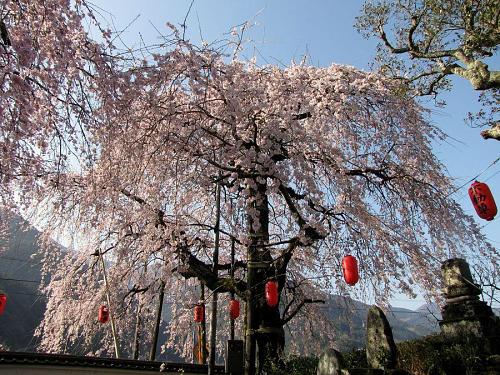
19,277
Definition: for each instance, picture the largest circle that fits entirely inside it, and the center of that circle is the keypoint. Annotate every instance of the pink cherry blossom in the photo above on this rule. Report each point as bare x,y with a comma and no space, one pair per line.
121,154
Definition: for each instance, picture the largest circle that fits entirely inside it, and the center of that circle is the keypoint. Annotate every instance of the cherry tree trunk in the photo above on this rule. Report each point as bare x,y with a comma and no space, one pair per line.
264,332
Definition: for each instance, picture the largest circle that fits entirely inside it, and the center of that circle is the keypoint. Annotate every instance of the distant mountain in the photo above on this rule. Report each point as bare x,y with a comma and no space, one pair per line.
25,307
19,266
350,316
19,279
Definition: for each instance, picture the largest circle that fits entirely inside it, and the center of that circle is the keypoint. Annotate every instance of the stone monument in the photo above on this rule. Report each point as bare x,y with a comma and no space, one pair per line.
330,363
464,315
381,352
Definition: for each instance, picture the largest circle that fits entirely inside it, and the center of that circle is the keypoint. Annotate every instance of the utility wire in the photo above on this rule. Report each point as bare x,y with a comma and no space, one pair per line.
20,260
26,294
322,306
473,178
20,280
393,312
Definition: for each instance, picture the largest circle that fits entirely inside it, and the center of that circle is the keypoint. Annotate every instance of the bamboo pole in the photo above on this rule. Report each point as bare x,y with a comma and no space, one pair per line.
111,315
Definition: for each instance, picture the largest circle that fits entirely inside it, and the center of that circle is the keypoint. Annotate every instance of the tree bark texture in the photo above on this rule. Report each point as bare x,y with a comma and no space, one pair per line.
264,331
492,133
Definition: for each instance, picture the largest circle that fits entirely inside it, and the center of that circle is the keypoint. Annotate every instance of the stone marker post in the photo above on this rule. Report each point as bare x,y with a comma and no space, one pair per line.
330,363
381,352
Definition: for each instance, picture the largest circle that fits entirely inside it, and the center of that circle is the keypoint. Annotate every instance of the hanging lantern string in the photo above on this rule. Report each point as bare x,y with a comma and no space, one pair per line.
473,178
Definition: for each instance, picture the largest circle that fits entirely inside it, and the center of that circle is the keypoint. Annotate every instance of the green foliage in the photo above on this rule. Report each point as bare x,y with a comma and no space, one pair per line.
435,355
431,355
446,36
355,358
294,365
424,42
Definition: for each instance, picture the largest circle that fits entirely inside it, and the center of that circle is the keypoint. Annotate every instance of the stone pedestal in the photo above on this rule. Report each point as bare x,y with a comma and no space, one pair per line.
235,362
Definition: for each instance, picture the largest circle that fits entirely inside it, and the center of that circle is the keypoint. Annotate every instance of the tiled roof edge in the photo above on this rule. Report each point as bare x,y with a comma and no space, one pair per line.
45,359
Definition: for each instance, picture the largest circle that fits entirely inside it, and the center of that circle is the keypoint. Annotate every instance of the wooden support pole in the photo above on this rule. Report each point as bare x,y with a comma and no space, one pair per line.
135,354
111,310
213,320
231,328
152,355
137,334
250,339
203,330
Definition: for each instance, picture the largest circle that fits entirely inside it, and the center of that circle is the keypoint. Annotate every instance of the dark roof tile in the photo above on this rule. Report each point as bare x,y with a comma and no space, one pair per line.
80,361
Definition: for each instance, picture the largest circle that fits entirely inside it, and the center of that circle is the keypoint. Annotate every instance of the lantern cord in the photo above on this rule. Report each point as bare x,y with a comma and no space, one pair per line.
473,178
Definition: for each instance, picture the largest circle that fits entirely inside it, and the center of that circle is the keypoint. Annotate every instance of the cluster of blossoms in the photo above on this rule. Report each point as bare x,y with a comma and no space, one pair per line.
314,164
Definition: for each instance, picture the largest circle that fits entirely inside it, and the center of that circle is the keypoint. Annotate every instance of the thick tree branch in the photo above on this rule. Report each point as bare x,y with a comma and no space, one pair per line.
388,44
190,265
411,43
159,213
380,173
4,34
282,262
309,231
492,133
477,73
135,289
237,264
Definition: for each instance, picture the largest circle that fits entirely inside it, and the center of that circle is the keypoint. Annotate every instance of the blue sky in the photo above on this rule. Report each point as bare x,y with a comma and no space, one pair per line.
323,29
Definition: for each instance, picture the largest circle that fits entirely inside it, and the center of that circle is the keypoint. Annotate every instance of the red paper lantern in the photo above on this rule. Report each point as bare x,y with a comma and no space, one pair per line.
271,290
3,302
483,201
199,313
103,315
350,268
234,309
